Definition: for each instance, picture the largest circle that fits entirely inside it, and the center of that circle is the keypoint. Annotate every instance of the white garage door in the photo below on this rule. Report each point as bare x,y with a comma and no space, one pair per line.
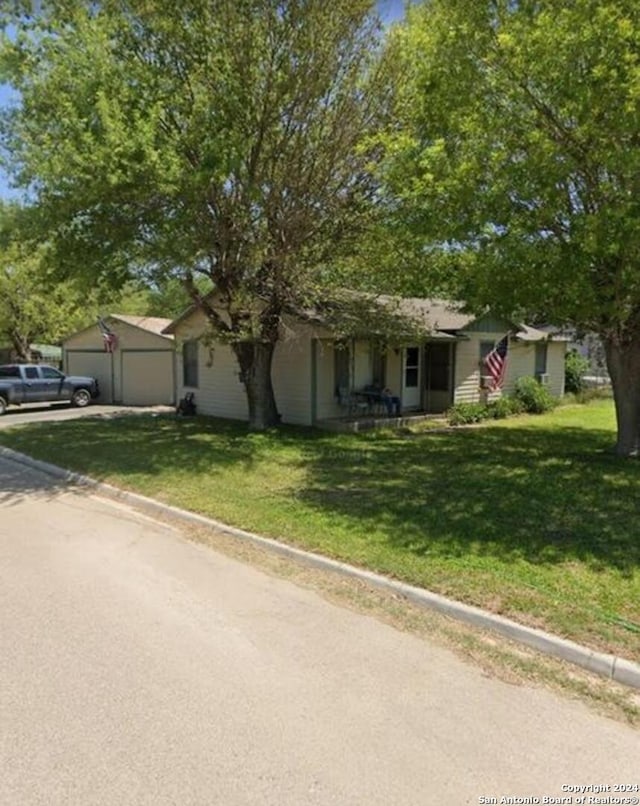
95,365
147,377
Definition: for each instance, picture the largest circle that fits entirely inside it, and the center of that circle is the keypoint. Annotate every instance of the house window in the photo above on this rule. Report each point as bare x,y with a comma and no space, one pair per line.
190,364
412,364
485,348
341,366
541,357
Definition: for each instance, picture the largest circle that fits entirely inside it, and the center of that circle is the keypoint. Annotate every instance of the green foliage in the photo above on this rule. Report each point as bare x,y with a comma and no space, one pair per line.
467,413
220,140
514,152
576,367
505,406
534,396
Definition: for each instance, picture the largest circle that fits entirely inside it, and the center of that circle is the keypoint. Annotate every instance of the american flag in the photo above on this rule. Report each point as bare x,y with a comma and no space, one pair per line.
108,336
496,362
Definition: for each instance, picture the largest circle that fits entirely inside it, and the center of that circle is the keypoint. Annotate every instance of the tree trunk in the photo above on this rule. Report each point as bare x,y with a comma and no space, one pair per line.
255,360
21,348
623,362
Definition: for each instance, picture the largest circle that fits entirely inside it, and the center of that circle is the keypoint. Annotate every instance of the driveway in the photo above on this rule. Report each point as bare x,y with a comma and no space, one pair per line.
138,668
38,413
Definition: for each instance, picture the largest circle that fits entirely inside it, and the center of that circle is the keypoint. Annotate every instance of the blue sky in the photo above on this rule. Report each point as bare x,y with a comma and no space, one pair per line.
390,11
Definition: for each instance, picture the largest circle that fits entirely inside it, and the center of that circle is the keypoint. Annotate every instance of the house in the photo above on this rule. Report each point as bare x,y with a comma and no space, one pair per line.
40,354
432,364
133,360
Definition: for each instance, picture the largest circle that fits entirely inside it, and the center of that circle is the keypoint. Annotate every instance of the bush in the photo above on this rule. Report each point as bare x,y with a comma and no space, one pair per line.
504,407
467,413
534,396
576,367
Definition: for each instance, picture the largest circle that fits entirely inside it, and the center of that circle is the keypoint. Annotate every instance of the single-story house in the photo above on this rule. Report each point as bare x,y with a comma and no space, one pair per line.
440,364
40,354
133,360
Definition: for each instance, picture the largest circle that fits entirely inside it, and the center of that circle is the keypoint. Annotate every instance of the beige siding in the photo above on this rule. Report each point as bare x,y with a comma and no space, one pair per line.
291,373
521,362
555,367
220,392
326,403
361,364
467,369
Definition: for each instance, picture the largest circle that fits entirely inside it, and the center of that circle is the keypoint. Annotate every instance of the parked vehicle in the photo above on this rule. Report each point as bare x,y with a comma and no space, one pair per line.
39,383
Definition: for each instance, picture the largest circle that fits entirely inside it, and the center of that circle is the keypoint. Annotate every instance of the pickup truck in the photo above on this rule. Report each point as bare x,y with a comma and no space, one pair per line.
38,383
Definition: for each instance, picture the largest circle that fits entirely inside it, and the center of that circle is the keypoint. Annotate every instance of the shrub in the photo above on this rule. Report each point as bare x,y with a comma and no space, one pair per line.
467,413
504,407
576,367
534,396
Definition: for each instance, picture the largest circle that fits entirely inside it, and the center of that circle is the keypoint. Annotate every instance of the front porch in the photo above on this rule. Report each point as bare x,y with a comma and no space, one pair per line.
369,422
348,379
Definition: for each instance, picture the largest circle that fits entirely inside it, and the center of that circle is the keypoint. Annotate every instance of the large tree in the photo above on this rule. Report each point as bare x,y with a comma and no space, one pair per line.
204,138
517,159
34,305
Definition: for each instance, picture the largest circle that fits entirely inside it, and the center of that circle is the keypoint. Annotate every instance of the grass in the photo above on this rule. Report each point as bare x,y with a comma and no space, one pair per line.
530,517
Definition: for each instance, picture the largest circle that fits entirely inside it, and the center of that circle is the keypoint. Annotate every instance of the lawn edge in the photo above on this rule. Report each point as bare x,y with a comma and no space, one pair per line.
613,667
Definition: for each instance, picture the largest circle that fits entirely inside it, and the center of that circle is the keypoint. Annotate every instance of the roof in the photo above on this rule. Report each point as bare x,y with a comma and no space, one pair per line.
441,319
436,314
154,324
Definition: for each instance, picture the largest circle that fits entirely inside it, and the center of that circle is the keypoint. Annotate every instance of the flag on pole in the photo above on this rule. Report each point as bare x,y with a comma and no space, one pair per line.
496,363
109,338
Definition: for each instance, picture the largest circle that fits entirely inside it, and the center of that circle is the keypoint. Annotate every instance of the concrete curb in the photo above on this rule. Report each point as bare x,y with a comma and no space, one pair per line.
619,669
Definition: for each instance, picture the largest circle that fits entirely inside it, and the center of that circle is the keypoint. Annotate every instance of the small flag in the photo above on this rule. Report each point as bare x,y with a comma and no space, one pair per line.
108,336
496,363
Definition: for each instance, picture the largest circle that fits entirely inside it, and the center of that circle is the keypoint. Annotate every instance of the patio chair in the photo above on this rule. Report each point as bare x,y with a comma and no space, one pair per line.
350,402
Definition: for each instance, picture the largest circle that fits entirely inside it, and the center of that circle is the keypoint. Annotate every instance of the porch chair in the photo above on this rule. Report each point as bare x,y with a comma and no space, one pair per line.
350,403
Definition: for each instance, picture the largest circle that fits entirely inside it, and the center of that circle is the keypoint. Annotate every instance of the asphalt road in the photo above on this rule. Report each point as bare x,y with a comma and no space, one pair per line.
138,668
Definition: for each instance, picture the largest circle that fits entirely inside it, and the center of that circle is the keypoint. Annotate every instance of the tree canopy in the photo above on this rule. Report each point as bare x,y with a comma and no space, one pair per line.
208,138
515,164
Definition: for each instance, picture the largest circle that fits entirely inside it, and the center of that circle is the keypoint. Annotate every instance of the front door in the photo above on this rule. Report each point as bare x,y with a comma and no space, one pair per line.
438,376
411,378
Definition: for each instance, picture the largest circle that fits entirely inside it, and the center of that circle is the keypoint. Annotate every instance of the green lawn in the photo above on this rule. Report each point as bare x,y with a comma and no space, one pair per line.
530,517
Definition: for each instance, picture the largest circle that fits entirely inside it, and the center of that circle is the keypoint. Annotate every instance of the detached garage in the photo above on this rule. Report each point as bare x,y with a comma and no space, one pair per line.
129,355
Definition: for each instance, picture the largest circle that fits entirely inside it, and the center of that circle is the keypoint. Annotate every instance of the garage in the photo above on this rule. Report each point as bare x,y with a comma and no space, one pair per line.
95,365
147,377
129,355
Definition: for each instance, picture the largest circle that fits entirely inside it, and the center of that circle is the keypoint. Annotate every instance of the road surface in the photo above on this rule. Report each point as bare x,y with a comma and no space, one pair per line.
138,668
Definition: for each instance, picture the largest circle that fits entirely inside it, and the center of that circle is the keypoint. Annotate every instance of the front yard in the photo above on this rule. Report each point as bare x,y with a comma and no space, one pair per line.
529,517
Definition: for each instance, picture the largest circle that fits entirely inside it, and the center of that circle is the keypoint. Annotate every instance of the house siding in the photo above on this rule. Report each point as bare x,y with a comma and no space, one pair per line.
520,362
221,393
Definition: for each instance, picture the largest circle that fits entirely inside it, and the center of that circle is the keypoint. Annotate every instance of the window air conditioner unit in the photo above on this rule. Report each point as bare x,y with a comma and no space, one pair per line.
486,381
542,377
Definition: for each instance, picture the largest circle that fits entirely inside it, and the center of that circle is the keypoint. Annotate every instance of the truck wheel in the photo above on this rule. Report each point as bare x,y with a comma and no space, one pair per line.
3,405
81,398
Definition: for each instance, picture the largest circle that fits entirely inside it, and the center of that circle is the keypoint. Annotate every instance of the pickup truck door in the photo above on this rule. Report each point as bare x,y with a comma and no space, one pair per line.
34,387
53,384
